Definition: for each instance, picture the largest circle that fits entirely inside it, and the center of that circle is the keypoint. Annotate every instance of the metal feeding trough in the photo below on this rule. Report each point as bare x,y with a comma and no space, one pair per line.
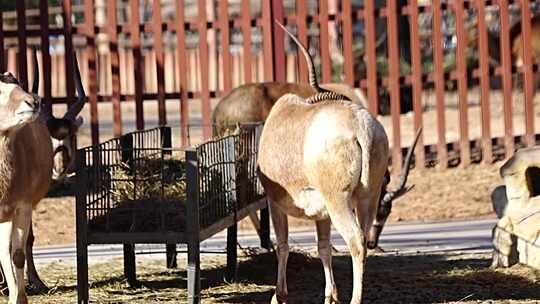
136,189
516,238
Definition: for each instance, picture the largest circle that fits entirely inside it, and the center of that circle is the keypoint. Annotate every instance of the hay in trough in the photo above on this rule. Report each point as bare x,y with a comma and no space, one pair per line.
146,196
149,178
149,195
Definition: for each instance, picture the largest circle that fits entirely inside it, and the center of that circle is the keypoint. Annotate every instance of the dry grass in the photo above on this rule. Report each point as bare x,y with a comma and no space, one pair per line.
458,278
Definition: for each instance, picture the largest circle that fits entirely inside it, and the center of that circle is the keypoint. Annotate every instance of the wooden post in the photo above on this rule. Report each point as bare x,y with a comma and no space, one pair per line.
22,68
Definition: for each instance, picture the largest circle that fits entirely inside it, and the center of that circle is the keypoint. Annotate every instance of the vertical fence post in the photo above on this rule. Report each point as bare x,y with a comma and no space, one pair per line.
225,45
137,63
68,53
302,35
183,64
461,59
326,65
246,39
506,60
416,79
21,55
81,180
529,79
115,67
268,43
157,25
394,81
438,69
2,51
348,55
193,228
371,56
278,40
487,155
92,68
204,67
45,56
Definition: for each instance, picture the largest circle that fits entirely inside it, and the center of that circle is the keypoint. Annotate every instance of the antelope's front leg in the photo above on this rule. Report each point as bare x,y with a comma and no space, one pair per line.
325,254
281,229
19,236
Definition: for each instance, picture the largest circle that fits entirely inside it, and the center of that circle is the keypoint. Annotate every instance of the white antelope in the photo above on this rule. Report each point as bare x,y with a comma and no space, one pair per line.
325,158
26,171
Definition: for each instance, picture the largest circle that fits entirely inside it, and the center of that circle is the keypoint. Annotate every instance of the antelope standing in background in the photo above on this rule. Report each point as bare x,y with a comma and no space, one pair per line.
325,158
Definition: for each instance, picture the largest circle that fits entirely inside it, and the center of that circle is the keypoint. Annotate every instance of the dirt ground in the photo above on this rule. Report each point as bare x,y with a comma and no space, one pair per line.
457,193
389,279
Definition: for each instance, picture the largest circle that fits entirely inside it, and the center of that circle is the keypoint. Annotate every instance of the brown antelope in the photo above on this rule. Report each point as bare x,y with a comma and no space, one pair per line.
59,146
325,158
252,102
25,174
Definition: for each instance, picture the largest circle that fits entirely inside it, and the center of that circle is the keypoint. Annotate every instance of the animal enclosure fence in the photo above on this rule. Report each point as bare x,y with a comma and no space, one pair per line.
429,56
136,189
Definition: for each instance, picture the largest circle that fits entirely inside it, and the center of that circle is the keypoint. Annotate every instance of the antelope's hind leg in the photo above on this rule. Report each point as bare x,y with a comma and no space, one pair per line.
339,208
281,229
325,254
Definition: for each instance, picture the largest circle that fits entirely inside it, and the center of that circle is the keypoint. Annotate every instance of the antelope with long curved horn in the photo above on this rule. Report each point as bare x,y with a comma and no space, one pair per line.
325,158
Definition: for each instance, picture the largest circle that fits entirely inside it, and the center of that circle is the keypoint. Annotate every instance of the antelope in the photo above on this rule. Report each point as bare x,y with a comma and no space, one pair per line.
25,174
252,102
62,139
325,158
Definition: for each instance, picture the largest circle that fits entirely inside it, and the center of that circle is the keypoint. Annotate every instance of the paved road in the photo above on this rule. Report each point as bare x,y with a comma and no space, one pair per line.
406,238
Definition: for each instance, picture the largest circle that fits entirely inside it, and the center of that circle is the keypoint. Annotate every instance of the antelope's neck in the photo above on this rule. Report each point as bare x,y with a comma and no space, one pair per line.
6,164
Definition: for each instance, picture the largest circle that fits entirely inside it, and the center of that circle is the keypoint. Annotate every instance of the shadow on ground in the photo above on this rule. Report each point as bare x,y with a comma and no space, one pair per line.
389,279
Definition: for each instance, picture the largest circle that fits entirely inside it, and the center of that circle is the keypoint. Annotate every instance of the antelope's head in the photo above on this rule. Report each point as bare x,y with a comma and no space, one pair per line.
389,195
63,130
17,106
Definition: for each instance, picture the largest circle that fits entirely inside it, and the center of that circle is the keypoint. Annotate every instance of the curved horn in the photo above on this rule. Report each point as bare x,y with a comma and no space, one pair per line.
35,84
76,107
393,194
311,69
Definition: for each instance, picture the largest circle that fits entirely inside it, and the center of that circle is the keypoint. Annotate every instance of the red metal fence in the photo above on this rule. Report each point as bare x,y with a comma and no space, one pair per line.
195,56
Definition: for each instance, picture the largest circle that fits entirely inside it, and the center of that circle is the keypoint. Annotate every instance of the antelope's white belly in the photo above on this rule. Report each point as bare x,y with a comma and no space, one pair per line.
311,201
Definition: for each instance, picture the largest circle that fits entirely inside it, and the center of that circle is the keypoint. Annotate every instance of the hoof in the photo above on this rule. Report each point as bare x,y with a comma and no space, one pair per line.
278,300
37,287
